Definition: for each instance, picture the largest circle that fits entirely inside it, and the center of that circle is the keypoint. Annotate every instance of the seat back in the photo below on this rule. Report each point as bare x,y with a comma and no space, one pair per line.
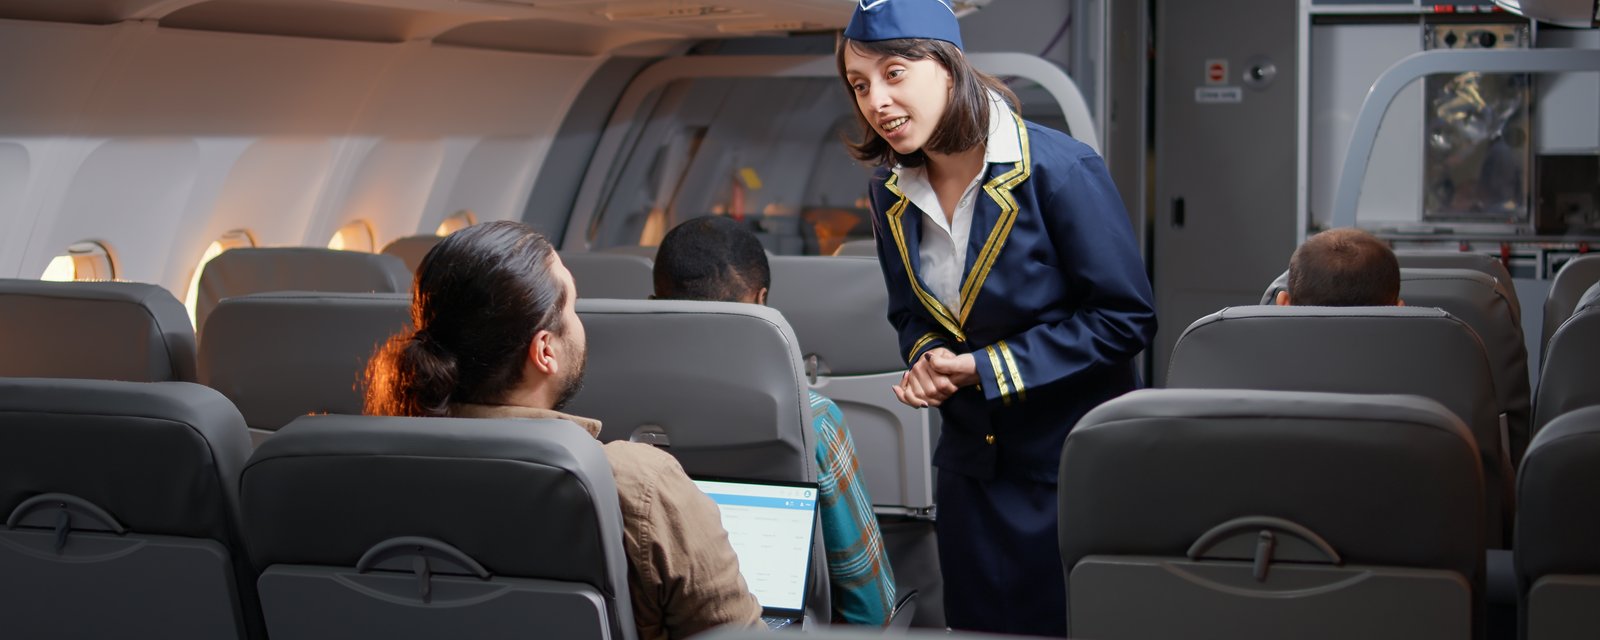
837,308
121,512
1566,290
240,272
1478,300
721,380
1557,560
1252,514
1566,382
101,330
436,527
1485,264
1386,350
611,275
411,249
865,248
633,250
719,384
282,355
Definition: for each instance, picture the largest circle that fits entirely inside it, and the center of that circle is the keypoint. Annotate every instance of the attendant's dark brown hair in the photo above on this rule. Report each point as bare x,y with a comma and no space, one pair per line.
966,118
478,299
1344,267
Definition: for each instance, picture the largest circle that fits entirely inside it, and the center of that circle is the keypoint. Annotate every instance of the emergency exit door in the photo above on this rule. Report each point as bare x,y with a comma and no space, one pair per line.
1226,153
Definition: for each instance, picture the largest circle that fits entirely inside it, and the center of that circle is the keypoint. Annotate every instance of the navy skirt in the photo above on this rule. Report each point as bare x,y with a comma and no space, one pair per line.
1000,557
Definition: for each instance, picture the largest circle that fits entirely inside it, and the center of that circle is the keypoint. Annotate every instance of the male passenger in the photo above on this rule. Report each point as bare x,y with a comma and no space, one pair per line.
717,259
497,336
1344,267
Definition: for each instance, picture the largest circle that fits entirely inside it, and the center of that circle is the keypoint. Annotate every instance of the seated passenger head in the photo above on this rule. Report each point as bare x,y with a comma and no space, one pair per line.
1343,268
712,258
494,322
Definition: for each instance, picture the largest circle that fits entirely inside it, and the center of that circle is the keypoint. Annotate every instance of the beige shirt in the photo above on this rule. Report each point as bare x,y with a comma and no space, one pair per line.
682,572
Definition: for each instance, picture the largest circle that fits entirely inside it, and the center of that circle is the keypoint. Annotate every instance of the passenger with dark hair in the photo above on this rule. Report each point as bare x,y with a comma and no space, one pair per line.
497,336
1344,267
1016,288
717,259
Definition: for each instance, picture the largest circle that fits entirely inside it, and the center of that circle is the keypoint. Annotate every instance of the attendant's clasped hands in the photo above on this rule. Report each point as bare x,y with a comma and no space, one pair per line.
935,377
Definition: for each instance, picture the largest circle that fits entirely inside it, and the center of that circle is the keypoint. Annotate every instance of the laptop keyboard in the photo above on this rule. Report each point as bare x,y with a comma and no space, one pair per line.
777,622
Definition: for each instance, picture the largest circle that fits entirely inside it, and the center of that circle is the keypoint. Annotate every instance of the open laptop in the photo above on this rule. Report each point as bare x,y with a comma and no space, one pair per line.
771,526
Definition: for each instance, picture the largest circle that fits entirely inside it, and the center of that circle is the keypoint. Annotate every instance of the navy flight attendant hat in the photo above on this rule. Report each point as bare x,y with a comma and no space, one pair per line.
895,19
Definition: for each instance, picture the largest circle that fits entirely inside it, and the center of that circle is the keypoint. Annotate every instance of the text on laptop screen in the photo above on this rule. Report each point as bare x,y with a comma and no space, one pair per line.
770,529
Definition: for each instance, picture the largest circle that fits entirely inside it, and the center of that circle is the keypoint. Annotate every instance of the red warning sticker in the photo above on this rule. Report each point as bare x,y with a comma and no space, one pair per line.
1216,71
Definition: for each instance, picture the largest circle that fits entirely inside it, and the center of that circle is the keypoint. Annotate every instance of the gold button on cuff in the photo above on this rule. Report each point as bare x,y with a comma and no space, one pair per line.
989,439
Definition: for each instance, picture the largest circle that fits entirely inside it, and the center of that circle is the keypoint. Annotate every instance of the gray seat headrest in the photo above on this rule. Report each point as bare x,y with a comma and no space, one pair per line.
1485,264
103,330
722,379
162,458
1385,480
411,249
611,275
282,355
867,248
838,308
1476,299
238,272
648,253
1557,490
1386,350
1568,287
1566,381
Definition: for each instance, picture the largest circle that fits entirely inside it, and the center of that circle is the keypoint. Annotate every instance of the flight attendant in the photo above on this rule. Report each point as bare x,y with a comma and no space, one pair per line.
1017,290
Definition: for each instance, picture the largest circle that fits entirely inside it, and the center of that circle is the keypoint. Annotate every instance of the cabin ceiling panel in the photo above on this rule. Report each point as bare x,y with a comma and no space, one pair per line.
48,72
581,27
314,19
198,83
545,36
467,92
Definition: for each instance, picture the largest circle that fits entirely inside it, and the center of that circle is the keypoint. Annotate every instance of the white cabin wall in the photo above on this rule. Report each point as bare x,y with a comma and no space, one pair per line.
157,141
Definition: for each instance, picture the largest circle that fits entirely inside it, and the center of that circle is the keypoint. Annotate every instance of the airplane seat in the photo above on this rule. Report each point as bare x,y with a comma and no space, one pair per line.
384,527
619,276
411,249
837,308
1486,264
244,271
718,384
633,250
1478,300
282,355
1566,289
121,512
1337,515
1557,559
98,330
1385,350
1566,382
867,248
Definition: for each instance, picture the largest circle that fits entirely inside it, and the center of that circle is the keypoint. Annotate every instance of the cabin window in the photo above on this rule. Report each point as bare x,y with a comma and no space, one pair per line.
456,222
86,260
230,240
356,236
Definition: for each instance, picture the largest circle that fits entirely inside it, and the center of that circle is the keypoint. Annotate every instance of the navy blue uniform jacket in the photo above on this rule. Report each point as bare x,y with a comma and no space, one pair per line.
1055,304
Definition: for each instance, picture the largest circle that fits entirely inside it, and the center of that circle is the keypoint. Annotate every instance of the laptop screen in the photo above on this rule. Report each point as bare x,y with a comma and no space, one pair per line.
770,526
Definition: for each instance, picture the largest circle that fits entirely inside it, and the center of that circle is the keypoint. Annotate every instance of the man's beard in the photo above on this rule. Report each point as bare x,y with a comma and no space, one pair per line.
572,383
